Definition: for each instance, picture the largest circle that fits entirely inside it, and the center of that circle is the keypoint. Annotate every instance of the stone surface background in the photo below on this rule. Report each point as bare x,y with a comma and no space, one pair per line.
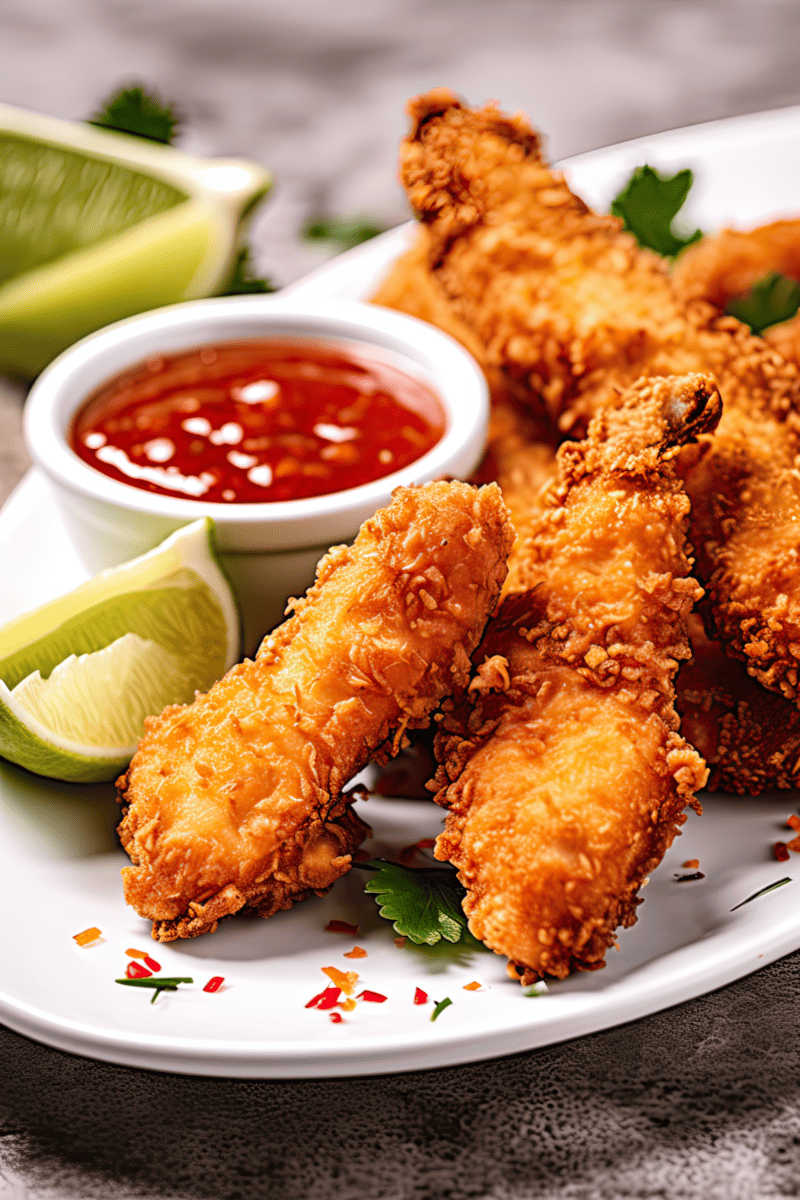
702,1101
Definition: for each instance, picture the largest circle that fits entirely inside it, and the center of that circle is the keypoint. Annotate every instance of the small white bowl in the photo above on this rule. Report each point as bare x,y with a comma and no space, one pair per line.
269,549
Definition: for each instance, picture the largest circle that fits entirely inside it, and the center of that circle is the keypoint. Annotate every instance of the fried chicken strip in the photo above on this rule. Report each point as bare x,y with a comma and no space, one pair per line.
567,306
236,800
749,737
561,764
720,268
524,465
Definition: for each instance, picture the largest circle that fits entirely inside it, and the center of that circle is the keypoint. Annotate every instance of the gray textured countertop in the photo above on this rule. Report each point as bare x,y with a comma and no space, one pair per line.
701,1101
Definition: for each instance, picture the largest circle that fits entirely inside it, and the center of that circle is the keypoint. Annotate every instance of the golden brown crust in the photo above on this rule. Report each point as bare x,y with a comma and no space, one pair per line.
235,799
561,765
749,737
720,268
572,312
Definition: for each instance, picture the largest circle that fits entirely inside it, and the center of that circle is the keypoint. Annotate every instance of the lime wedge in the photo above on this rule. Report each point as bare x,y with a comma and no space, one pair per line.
79,675
96,226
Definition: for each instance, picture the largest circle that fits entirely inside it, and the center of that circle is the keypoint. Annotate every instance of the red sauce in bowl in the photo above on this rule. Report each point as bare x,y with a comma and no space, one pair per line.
262,420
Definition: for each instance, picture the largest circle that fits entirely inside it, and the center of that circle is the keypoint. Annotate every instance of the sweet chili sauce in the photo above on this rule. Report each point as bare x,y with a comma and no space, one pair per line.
262,420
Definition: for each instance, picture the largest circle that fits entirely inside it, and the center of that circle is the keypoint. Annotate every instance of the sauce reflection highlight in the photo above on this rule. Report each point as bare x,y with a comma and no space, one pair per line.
261,420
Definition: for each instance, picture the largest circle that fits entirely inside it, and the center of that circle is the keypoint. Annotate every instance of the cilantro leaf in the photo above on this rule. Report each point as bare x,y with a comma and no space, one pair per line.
648,204
423,902
140,113
244,281
773,299
343,231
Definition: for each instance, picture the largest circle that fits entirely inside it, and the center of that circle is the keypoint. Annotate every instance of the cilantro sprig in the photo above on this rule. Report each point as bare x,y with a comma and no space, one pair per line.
140,113
773,299
423,903
649,203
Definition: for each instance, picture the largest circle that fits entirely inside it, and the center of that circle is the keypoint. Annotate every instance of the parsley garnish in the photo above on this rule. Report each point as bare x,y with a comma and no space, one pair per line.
648,205
424,903
773,299
244,281
140,113
344,232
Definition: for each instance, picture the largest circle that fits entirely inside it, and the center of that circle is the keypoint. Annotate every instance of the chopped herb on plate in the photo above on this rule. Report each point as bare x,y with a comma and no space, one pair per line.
424,903
649,203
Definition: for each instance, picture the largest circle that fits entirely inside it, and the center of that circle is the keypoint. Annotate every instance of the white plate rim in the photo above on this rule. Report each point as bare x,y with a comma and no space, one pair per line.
300,1059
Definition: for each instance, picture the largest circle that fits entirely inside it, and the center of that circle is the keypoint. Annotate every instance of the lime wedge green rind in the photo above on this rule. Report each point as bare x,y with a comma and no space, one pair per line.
47,309
79,675
20,745
195,623
190,549
72,704
54,200
96,226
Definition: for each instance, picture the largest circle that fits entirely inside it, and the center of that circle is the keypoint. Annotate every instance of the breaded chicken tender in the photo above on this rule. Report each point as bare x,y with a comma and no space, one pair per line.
572,312
523,463
236,800
749,737
720,268
561,764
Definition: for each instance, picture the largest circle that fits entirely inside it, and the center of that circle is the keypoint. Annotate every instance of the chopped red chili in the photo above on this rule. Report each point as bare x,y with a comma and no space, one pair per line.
134,971
420,997
794,823
337,1018
342,927
373,997
781,851
214,983
326,999
151,963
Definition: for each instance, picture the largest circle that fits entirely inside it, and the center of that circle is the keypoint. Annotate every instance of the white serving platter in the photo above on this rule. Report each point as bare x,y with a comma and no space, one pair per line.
61,860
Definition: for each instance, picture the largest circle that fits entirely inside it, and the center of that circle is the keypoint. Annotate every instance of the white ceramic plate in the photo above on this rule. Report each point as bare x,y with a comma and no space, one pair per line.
61,865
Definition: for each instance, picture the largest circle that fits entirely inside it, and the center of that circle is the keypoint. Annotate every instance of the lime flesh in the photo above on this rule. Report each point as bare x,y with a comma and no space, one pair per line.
97,226
79,675
54,201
